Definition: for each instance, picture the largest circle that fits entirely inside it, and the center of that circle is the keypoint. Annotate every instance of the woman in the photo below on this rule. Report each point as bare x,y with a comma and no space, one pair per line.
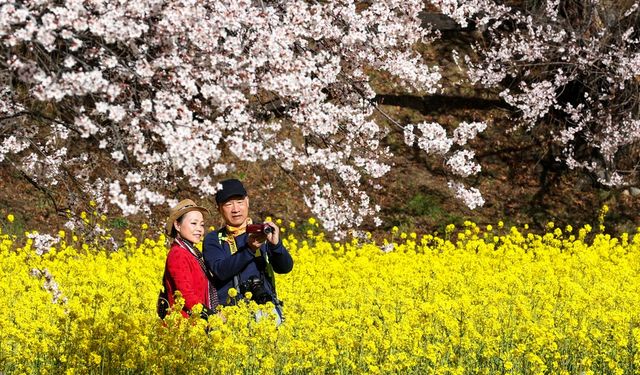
185,270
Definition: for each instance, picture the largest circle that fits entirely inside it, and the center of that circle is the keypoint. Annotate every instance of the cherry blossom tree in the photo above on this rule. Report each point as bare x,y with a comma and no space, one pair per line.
177,90
122,101
571,69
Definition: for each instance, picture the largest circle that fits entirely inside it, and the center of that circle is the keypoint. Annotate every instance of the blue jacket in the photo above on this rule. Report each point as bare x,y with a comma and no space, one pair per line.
224,265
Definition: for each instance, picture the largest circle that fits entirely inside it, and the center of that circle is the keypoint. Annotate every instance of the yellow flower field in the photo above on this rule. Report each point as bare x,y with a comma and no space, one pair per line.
478,301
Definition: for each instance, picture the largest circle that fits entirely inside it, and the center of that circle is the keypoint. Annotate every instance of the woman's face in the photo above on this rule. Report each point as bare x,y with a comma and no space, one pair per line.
191,227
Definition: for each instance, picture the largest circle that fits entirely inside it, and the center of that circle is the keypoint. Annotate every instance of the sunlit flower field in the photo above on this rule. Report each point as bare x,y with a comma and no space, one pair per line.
476,300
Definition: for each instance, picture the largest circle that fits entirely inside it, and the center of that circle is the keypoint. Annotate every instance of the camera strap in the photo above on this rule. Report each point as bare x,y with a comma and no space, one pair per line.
270,274
224,235
236,282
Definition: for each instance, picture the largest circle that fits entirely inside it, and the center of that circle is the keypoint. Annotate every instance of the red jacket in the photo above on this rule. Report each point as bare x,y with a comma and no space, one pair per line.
183,272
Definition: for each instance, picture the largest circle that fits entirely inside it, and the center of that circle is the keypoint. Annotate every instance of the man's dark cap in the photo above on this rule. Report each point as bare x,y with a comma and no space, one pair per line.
230,188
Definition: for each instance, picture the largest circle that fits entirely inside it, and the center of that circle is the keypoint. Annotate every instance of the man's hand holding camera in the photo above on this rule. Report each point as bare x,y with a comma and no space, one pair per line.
258,233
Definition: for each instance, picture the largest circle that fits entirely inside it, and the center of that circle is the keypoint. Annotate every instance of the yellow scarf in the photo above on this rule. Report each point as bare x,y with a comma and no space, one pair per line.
233,232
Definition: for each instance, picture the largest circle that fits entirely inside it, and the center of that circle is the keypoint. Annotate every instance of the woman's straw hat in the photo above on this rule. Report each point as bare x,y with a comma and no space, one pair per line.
186,205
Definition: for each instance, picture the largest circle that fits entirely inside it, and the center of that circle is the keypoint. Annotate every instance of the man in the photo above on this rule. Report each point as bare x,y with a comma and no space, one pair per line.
240,260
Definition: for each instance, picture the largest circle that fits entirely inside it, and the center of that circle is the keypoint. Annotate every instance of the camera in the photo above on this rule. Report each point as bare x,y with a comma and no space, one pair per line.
258,292
259,228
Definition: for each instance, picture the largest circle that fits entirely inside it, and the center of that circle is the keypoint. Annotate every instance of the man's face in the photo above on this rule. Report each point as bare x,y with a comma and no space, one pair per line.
235,211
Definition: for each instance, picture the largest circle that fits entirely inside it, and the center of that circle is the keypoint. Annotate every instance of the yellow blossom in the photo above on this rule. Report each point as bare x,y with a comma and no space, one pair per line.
507,302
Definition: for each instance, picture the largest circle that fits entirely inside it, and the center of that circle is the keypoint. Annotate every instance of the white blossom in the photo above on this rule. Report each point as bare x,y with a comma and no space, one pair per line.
466,131
470,196
50,284
42,242
462,163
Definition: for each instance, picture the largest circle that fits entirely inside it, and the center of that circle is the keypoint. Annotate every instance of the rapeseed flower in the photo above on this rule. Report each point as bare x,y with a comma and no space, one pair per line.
233,293
512,302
